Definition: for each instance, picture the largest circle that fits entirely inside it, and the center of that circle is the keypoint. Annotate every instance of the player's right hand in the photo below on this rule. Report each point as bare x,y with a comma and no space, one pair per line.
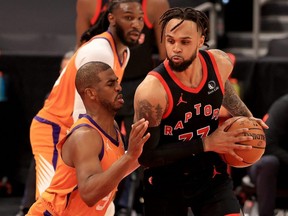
137,138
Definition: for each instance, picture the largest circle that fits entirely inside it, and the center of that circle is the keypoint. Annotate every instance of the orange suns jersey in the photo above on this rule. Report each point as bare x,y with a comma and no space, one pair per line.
135,69
64,104
62,197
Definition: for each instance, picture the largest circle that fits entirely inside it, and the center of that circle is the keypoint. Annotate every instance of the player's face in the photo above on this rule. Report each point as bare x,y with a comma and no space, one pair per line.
129,23
109,91
182,44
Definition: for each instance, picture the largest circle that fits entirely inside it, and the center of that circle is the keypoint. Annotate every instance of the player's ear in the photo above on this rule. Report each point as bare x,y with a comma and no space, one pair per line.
201,41
91,93
111,19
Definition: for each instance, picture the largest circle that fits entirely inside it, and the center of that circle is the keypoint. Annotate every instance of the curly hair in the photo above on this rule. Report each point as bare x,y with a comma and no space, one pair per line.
187,13
102,23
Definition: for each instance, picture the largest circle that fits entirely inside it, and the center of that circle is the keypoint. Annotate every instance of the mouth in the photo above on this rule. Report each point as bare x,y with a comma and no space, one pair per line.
120,99
134,35
177,59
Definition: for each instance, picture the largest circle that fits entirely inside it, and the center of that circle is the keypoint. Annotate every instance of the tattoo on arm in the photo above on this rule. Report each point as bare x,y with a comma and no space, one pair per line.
223,54
151,113
233,103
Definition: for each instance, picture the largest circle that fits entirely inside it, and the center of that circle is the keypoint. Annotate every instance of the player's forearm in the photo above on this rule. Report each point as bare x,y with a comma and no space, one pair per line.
170,153
122,167
233,103
131,166
101,184
154,155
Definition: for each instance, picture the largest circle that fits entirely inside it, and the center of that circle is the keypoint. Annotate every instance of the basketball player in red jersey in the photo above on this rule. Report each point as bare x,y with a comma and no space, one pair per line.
122,26
91,159
183,165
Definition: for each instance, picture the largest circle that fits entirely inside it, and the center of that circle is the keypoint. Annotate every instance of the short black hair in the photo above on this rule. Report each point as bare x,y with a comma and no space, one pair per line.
87,75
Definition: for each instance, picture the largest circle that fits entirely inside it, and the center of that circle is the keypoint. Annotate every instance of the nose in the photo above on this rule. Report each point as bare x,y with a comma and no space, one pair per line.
118,87
176,48
138,24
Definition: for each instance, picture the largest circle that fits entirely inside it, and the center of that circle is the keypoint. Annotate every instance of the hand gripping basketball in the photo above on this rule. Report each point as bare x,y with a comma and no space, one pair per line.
258,143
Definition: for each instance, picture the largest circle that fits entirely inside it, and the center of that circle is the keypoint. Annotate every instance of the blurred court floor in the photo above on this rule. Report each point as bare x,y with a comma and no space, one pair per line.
9,205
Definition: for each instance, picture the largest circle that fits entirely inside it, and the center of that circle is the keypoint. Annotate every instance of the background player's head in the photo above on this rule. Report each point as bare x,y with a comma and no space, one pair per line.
125,17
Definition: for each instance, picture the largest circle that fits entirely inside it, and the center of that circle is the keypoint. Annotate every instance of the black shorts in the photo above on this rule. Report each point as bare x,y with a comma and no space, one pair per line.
207,196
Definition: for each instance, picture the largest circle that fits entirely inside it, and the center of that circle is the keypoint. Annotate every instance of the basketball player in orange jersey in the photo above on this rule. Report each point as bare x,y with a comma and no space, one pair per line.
91,159
142,60
181,157
29,190
122,26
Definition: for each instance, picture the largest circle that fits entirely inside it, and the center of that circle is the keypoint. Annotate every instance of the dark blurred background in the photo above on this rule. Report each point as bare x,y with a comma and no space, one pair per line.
35,34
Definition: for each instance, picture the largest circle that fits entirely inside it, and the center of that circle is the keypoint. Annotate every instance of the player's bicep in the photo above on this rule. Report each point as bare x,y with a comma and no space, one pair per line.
88,145
224,64
91,52
150,102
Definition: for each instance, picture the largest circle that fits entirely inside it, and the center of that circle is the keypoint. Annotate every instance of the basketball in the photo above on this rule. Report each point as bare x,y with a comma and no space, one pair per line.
258,143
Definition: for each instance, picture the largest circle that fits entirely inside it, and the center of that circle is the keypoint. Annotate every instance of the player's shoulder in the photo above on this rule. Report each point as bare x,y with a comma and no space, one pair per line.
84,131
94,45
156,7
151,80
221,57
150,87
223,62
98,49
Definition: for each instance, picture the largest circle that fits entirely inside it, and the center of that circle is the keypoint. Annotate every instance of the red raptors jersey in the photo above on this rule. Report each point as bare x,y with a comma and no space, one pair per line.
193,112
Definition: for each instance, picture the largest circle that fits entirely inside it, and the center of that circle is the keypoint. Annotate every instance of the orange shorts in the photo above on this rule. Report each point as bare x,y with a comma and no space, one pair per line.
44,135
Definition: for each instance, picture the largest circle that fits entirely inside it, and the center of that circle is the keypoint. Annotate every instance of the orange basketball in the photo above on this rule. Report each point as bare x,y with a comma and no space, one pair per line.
258,143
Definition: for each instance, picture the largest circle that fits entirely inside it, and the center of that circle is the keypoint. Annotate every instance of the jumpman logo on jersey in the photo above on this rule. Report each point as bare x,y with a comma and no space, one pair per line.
108,146
181,100
215,172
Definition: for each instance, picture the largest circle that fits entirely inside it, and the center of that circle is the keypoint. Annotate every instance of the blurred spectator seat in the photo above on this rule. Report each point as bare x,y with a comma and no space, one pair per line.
247,196
278,47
